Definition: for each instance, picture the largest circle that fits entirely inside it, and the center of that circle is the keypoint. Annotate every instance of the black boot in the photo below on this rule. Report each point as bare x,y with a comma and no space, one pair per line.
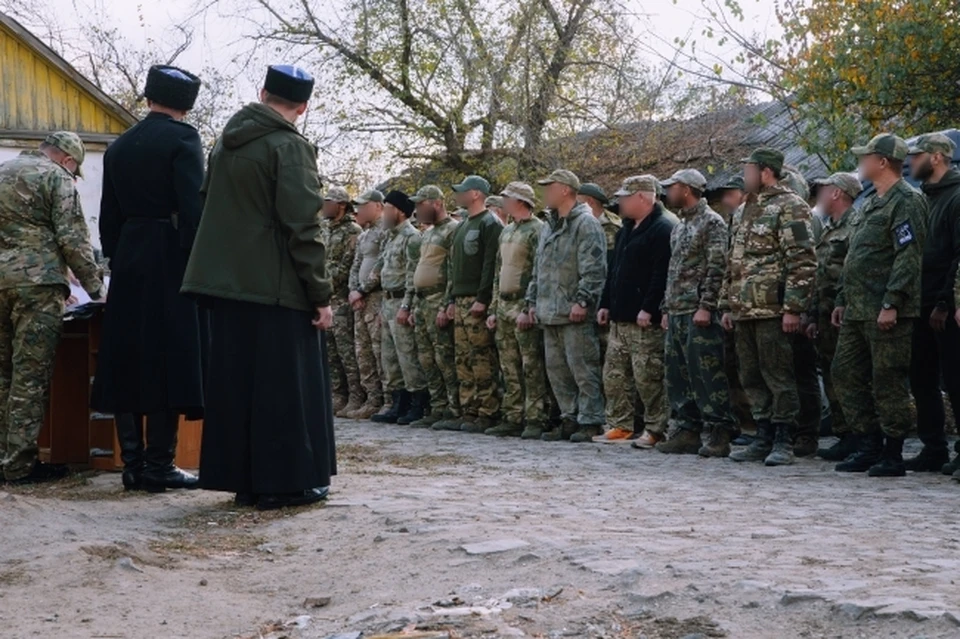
891,461
845,446
159,472
930,460
390,417
130,436
868,454
419,401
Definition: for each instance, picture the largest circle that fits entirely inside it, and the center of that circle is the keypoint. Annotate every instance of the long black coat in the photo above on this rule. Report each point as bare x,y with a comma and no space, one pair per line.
151,349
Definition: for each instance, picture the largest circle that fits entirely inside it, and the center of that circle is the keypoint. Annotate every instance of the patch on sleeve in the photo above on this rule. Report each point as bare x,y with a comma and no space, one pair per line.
904,234
799,229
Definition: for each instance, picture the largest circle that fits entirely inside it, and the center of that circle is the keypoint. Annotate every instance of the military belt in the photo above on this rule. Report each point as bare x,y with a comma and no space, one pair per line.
431,291
512,297
395,295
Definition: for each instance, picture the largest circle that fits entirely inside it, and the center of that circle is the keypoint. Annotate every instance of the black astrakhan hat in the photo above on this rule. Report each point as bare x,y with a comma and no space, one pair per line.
289,82
172,87
400,200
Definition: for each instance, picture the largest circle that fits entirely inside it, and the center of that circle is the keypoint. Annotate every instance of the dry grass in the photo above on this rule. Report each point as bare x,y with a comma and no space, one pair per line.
368,459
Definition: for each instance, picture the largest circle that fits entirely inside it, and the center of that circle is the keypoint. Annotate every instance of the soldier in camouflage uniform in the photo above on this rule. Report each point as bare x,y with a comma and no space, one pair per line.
494,204
397,264
340,234
593,196
365,299
767,287
43,233
878,301
835,199
434,331
523,406
697,385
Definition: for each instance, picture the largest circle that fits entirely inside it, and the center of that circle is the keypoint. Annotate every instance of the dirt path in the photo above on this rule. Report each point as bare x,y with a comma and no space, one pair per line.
467,536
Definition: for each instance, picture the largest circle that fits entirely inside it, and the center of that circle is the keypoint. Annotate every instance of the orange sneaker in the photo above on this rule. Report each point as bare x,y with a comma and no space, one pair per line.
614,435
647,440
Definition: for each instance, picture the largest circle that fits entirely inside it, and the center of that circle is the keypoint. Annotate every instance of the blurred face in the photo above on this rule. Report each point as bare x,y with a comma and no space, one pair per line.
827,198
369,212
677,195
392,216
331,209
555,194
921,166
515,209
468,198
751,178
427,211
870,167
731,199
637,205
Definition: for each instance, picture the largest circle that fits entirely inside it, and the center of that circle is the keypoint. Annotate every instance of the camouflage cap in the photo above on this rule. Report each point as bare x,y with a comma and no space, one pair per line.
494,201
846,182
733,184
933,143
337,194
473,183
428,192
691,177
562,176
71,144
373,195
638,183
766,156
520,191
593,190
886,144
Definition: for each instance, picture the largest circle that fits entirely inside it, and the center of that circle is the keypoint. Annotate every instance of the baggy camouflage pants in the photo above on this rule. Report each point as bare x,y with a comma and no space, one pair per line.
437,358
767,370
345,373
367,335
31,321
572,355
738,397
808,387
697,383
521,362
871,371
827,348
401,366
634,366
476,362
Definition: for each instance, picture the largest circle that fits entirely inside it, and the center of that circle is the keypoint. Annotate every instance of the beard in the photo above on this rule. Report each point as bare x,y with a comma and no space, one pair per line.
924,170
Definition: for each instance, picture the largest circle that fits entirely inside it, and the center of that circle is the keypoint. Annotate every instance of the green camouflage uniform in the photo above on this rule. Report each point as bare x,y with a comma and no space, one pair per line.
739,401
434,344
340,238
770,272
365,278
871,367
611,223
697,385
42,232
398,261
521,352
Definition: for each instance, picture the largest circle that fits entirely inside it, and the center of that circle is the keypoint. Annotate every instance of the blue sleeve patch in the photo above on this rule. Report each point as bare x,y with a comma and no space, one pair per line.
904,234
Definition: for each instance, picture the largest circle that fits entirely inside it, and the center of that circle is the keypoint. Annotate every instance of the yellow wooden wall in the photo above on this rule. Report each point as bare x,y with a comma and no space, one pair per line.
37,96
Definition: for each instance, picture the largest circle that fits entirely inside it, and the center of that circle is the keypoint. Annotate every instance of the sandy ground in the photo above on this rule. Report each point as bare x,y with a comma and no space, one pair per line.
452,535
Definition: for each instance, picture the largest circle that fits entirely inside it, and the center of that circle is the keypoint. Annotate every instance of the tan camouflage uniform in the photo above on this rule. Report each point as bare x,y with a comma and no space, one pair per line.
367,325
340,238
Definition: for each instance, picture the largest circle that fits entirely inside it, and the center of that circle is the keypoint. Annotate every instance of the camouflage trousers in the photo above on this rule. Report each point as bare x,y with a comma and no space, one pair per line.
31,320
572,355
401,366
521,363
826,349
738,397
437,357
808,387
477,366
367,338
634,366
697,383
344,371
767,370
871,370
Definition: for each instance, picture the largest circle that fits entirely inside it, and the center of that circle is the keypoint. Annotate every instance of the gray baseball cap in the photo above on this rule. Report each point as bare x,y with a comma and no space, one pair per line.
691,177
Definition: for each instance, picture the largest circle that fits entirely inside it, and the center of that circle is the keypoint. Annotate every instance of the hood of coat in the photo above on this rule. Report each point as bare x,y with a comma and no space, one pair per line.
252,122
950,180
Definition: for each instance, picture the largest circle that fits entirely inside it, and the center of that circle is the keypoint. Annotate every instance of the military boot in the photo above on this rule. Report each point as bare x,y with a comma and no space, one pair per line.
682,442
718,442
159,472
435,417
339,403
505,429
566,428
533,430
760,447
477,425
130,436
390,415
805,445
782,452
370,408
357,399
868,453
891,460
843,448
586,433
929,460
449,423
417,408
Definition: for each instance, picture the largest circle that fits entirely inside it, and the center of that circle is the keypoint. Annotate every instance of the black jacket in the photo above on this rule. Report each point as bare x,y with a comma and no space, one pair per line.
638,272
942,248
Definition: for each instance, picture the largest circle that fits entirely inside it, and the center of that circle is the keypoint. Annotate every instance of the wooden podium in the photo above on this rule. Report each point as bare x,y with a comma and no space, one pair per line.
71,433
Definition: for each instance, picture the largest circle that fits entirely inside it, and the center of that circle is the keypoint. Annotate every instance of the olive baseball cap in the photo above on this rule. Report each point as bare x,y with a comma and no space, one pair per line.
473,183
886,144
933,143
520,191
733,184
593,190
373,195
637,183
428,192
337,194
71,144
767,157
846,182
562,176
691,177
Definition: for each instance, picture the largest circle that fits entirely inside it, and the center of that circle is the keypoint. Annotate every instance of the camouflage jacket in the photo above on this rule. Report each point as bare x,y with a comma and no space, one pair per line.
611,223
364,276
570,266
340,238
697,261
398,260
833,240
883,262
772,264
515,256
42,224
433,267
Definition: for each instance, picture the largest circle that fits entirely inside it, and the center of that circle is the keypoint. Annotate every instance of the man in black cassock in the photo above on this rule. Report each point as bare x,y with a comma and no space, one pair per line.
149,364
258,265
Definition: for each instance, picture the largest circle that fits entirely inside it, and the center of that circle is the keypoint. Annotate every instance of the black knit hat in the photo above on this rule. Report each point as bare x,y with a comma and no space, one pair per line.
172,87
289,82
400,200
